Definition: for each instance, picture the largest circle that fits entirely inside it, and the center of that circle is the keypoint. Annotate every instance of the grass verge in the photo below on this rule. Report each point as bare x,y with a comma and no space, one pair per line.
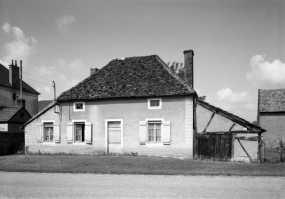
133,165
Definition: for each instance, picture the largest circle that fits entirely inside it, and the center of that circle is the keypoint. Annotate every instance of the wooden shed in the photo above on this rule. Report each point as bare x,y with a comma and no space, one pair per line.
222,136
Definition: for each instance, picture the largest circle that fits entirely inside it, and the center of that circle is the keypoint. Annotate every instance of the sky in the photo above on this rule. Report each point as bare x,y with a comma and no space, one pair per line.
239,45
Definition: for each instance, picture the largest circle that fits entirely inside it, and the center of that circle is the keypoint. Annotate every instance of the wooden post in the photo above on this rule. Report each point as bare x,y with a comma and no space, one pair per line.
259,147
263,151
280,150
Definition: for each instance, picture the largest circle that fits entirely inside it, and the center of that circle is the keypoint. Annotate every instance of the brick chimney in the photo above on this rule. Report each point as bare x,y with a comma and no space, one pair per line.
14,73
93,71
188,65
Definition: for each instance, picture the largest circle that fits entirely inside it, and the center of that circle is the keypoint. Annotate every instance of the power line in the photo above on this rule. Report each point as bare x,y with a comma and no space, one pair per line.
38,81
46,97
38,76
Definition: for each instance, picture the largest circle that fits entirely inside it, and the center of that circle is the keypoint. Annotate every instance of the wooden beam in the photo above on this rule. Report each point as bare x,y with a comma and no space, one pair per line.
243,148
209,122
259,147
232,126
225,132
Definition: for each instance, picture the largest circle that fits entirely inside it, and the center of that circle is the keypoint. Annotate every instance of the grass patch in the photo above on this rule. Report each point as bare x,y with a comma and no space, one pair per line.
133,165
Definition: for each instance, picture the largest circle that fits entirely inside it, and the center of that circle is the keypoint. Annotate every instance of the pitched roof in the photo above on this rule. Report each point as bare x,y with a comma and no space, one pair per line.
4,81
48,107
42,104
146,76
272,100
231,116
6,113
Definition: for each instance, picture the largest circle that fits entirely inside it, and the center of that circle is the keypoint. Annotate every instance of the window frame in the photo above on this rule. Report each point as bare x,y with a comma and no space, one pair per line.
43,122
154,107
154,120
74,122
79,110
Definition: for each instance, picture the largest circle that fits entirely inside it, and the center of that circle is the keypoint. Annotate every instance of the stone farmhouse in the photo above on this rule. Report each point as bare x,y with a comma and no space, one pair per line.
138,105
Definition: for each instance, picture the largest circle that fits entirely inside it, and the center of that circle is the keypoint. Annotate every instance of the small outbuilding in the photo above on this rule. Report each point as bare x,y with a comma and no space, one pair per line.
12,118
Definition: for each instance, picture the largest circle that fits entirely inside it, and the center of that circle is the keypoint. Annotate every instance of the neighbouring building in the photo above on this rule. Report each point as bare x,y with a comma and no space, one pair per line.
137,105
43,103
271,115
10,89
12,118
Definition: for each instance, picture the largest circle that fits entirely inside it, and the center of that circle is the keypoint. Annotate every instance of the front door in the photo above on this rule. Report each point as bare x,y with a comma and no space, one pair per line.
114,136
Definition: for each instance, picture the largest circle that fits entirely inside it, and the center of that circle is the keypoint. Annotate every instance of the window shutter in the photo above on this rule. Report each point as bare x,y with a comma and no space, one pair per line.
166,132
56,135
88,132
142,133
69,136
39,133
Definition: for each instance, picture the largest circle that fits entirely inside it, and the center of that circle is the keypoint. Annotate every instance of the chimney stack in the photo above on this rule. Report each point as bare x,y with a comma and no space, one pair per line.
93,71
188,66
13,73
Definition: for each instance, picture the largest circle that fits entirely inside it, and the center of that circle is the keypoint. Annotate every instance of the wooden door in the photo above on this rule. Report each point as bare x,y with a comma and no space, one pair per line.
215,146
114,136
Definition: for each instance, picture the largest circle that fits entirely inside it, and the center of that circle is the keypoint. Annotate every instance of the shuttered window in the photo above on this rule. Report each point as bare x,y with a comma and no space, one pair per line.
48,132
154,132
79,132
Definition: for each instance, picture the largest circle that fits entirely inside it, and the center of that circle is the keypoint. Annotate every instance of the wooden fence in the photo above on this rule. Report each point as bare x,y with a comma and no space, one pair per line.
11,142
281,148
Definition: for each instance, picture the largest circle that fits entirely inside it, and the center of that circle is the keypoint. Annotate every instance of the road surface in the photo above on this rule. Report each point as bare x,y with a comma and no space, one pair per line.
52,185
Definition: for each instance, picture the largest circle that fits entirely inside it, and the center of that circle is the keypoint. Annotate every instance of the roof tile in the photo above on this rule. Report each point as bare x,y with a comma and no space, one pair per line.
132,77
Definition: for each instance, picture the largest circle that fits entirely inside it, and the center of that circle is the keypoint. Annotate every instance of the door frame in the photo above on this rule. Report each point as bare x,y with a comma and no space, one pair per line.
106,133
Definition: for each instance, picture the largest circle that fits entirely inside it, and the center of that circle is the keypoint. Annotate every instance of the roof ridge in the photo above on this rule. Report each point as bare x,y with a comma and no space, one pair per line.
173,74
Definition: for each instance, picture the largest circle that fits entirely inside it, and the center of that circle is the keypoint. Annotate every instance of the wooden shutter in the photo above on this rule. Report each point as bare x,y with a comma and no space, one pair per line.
142,133
88,133
69,133
39,132
56,134
166,132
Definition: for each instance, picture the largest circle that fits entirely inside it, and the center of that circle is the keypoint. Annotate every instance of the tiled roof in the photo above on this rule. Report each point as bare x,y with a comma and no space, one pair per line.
6,113
272,100
42,104
231,116
146,76
4,81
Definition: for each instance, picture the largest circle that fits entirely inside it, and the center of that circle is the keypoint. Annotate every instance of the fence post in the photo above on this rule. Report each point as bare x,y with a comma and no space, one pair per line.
280,150
263,151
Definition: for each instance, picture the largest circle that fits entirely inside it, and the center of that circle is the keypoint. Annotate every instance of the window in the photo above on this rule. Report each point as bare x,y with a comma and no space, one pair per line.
78,106
48,132
154,103
79,132
154,131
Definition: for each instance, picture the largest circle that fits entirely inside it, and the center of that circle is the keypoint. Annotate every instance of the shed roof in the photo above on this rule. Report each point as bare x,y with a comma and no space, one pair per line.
231,116
6,113
146,76
272,100
4,81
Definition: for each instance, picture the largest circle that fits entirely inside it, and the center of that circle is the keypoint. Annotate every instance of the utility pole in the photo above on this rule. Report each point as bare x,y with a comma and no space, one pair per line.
21,87
54,95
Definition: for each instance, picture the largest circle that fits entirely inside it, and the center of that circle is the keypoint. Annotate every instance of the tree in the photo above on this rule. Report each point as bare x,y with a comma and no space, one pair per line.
177,68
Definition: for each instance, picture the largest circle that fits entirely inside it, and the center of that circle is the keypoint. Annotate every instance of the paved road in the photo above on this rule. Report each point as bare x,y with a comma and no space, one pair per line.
37,185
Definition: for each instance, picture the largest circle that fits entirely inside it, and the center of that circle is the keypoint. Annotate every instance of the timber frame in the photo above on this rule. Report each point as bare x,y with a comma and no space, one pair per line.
250,128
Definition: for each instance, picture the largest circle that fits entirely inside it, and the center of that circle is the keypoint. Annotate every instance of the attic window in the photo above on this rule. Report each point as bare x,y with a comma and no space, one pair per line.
154,103
78,106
